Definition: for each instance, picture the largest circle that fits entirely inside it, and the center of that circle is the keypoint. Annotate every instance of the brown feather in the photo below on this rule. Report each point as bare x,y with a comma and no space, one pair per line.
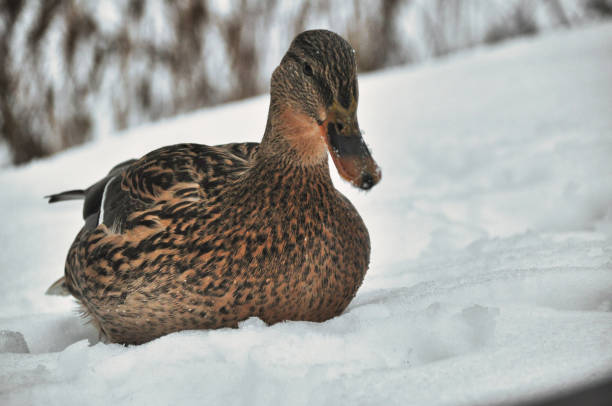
204,237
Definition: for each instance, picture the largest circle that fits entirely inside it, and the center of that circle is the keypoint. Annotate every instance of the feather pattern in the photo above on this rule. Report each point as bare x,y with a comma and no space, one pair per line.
195,237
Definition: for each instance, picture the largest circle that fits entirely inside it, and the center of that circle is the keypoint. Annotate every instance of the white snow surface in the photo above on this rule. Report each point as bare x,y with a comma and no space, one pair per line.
491,271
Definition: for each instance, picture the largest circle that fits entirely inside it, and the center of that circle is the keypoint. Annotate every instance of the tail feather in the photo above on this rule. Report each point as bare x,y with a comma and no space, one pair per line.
58,288
76,194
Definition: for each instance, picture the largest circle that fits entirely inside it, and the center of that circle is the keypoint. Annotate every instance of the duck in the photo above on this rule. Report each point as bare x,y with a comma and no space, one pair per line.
197,237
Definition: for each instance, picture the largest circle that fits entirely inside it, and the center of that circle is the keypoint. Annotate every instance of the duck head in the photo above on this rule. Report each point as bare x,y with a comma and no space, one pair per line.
313,108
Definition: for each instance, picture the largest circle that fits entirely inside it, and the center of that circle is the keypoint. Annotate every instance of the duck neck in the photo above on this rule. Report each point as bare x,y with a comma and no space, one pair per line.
292,137
277,171
277,165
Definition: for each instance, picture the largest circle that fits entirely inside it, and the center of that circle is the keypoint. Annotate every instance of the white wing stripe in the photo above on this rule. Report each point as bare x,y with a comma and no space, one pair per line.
101,217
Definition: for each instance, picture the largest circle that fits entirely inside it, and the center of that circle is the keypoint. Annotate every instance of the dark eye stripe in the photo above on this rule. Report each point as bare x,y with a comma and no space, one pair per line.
320,83
324,90
344,96
307,69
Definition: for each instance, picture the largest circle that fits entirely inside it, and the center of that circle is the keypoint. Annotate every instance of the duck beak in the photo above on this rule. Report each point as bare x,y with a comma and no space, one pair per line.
347,147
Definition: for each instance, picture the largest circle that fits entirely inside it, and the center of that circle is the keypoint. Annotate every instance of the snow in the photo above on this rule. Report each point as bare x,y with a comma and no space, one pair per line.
12,341
491,272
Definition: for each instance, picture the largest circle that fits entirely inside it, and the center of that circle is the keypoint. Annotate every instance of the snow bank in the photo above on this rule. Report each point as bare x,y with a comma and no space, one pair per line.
491,274
11,341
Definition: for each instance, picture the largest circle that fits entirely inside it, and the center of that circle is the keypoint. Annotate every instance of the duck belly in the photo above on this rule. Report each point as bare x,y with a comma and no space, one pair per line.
287,270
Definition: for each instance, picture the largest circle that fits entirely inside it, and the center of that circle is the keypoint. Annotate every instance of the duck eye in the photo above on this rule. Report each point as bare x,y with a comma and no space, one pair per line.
307,69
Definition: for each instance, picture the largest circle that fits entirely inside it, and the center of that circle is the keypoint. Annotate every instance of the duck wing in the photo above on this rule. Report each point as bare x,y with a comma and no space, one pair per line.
93,194
135,185
192,170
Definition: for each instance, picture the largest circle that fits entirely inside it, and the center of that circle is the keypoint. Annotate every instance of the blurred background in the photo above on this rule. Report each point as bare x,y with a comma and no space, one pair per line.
72,71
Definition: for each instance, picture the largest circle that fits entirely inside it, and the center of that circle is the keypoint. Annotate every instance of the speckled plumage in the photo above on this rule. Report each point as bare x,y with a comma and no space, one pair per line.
198,237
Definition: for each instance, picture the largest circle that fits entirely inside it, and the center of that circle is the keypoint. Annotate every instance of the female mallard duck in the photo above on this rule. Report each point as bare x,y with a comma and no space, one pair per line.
201,237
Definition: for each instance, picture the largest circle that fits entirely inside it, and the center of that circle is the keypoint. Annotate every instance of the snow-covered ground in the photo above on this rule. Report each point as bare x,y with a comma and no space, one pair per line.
491,273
